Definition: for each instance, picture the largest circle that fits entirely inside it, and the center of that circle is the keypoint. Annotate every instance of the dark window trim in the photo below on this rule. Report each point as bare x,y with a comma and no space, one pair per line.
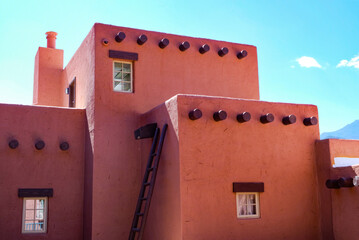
248,187
35,192
72,93
123,55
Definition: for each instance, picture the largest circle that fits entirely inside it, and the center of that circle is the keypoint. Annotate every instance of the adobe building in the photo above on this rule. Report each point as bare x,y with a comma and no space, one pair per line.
232,166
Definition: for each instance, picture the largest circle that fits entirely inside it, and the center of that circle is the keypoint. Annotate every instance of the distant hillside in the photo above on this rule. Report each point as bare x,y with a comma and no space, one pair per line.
350,131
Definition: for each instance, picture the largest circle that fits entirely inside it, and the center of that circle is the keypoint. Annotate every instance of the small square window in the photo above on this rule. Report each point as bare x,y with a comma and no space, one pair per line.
122,77
247,204
34,218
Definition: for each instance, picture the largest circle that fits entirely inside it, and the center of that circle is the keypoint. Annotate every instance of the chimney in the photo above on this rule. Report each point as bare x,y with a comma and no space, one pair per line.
51,39
48,71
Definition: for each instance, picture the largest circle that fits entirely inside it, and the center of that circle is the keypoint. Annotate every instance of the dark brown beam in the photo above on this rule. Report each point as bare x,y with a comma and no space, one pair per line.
204,48
243,117
184,46
310,121
267,118
248,187
141,39
120,37
163,43
195,114
219,115
123,55
223,51
35,192
290,119
13,144
64,146
345,182
242,54
39,145
147,131
332,184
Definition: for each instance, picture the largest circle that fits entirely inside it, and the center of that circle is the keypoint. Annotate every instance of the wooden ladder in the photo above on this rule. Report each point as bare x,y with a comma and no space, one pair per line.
148,184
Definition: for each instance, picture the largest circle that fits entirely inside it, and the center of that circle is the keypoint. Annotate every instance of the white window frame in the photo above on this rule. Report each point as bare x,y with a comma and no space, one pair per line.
116,80
44,228
256,204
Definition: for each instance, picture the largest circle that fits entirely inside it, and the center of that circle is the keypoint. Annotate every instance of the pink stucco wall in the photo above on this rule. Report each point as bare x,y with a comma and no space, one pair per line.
164,219
48,77
158,75
26,167
197,179
82,67
338,205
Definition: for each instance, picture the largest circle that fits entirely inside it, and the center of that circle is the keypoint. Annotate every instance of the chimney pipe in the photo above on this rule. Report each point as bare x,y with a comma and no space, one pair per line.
51,39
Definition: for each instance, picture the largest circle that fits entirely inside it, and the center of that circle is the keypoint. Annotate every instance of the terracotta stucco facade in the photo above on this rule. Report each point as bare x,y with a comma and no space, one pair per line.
96,181
27,167
196,183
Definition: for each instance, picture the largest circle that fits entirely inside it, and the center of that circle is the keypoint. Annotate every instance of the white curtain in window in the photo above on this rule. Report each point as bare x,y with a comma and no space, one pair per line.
246,203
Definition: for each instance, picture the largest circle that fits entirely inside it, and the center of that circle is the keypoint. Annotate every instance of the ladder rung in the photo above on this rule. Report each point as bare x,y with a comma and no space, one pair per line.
139,214
135,229
147,183
150,169
153,154
143,199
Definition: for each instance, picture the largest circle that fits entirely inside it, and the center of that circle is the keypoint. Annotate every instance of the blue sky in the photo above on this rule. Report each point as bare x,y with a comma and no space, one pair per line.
307,50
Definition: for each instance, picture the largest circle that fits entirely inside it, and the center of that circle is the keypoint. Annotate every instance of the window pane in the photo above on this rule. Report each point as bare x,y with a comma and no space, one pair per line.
118,75
241,199
39,214
254,210
40,204
247,210
251,198
118,66
242,210
29,204
127,86
39,225
29,225
126,76
29,214
126,67
34,225
123,86
117,86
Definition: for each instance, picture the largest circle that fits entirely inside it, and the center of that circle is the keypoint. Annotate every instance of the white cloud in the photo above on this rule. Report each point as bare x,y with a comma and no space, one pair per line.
342,63
354,62
308,62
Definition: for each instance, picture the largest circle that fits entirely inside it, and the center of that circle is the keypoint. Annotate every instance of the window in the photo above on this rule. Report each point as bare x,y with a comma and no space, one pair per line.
247,204
34,218
72,93
122,77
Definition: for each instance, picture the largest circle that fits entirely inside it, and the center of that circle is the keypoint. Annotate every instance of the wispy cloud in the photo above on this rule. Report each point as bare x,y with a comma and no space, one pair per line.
354,62
308,62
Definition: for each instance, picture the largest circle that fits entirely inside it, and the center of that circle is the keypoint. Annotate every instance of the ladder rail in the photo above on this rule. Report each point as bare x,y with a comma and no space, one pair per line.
148,184
143,188
153,180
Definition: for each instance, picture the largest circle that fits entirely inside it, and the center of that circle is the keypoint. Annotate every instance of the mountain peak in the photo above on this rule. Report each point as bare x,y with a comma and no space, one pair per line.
350,131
